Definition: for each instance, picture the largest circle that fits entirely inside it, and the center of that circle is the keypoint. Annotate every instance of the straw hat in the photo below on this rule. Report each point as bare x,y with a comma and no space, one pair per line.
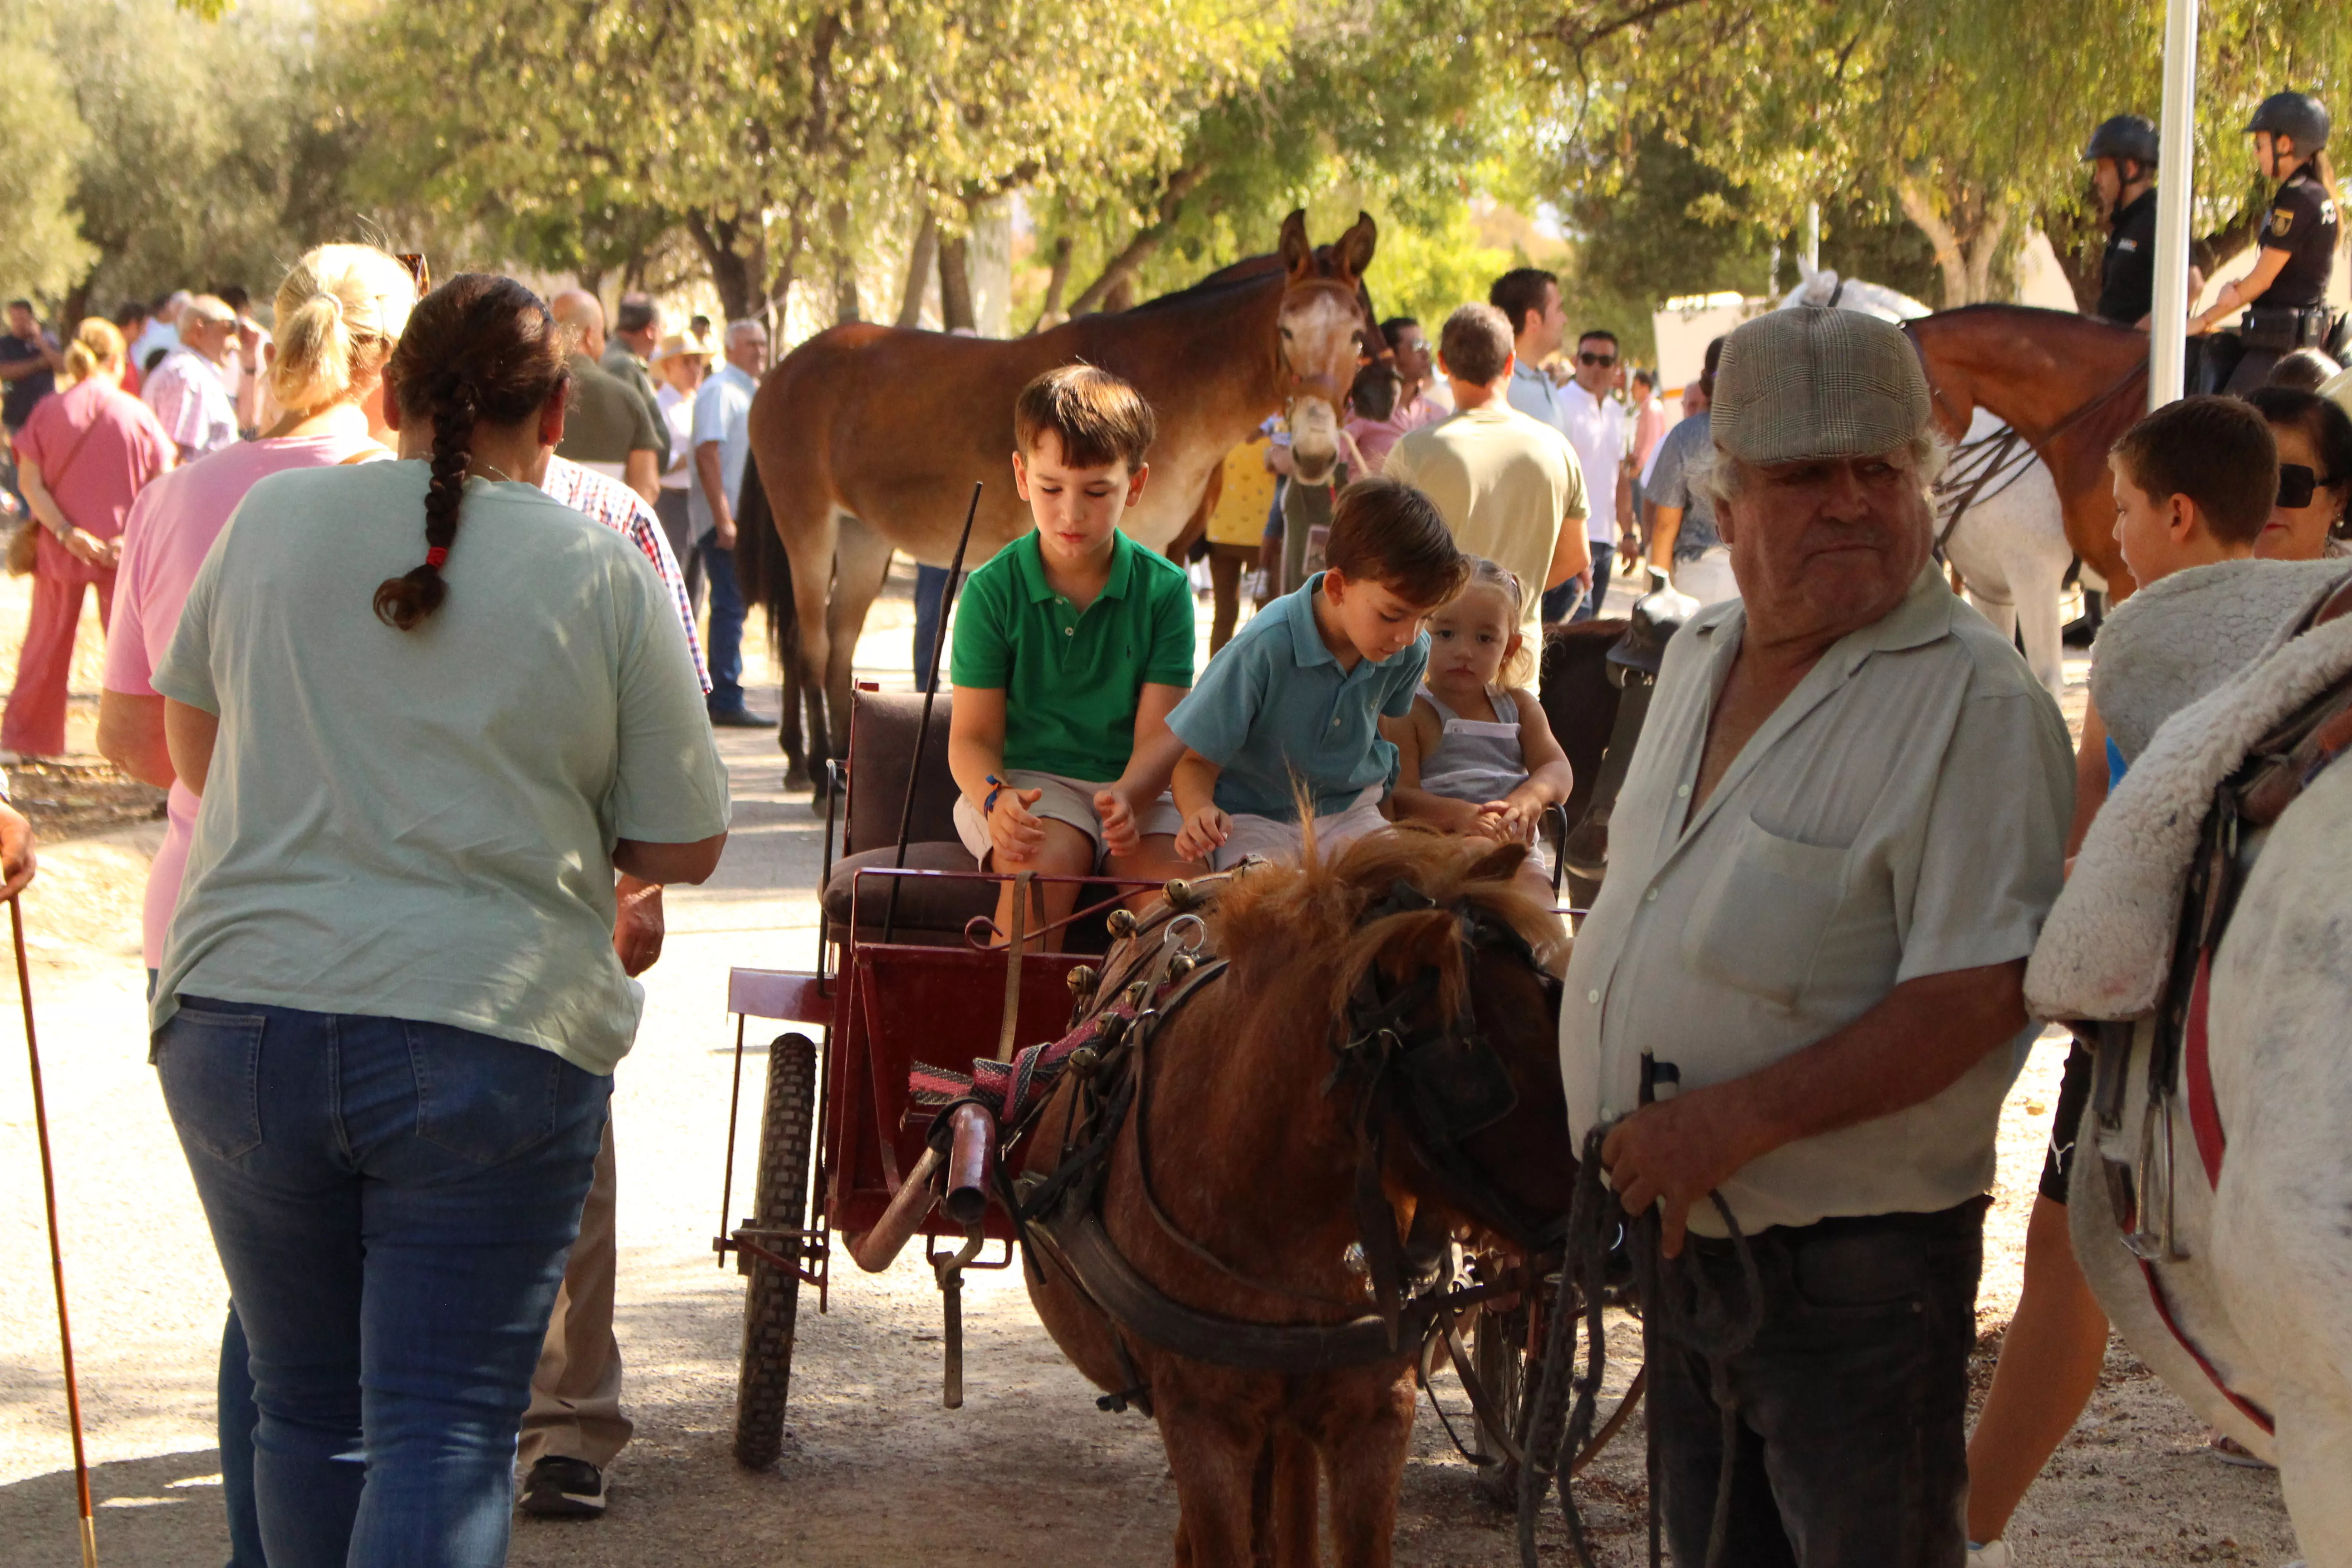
682,346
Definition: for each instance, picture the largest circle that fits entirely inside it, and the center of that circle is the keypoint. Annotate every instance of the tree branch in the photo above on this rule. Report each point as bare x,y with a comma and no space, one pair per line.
1921,211
1124,266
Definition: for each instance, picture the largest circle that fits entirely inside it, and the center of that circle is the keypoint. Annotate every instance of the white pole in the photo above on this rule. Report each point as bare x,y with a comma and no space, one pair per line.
1812,236
2177,183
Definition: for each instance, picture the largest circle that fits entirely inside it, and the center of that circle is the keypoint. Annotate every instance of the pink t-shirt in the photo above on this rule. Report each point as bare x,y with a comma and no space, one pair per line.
97,448
170,530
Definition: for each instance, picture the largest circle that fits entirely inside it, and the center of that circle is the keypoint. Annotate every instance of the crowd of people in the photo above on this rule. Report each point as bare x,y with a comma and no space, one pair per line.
397,615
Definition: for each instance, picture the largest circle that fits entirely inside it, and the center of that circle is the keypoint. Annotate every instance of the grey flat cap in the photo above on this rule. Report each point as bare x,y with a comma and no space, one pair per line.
1814,383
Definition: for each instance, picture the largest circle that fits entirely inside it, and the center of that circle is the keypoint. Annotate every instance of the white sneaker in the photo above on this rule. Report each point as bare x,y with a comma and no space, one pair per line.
1991,1555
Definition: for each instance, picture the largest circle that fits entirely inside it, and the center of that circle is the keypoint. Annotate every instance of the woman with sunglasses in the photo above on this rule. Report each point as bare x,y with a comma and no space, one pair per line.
389,1005
2315,448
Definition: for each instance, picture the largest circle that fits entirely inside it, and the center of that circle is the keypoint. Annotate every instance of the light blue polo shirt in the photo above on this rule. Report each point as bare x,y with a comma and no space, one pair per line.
1533,395
722,413
1274,704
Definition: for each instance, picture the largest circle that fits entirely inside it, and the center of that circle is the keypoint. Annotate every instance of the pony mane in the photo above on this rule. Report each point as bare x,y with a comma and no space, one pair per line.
1308,918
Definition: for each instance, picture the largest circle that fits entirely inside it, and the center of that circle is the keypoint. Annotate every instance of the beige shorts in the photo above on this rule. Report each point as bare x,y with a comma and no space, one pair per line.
1278,840
1066,800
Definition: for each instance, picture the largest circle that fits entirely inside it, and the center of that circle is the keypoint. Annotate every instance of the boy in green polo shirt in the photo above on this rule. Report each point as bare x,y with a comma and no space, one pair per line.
1072,646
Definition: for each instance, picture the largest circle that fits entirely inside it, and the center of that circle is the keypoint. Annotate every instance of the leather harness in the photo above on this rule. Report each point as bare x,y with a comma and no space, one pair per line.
1436,1084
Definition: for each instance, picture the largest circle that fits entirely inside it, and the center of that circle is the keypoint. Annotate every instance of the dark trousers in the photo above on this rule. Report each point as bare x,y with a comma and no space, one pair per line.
930,593
1851,1450
670,507
724,644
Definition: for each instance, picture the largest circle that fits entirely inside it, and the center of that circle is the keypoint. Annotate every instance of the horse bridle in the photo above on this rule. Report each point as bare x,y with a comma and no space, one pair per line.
1287,375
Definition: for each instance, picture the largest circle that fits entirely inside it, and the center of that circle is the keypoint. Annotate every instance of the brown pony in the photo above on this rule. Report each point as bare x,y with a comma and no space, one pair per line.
2069,384
868,438
1254,1162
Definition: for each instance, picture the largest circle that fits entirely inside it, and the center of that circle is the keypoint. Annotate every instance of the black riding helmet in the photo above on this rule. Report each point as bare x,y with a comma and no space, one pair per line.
2125,136
2295,114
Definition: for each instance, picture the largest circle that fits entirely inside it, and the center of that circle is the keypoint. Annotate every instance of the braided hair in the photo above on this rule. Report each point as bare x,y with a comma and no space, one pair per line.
478,350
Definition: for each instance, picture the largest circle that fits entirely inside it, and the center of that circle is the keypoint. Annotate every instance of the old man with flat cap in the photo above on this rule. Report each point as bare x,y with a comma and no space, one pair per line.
1829,861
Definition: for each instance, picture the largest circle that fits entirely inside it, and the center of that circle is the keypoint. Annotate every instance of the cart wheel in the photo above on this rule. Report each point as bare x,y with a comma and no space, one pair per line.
771,1305
1498,1356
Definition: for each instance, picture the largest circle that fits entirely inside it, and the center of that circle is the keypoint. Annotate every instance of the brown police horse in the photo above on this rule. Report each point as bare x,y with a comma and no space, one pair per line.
868,438
1255,1154
2069,384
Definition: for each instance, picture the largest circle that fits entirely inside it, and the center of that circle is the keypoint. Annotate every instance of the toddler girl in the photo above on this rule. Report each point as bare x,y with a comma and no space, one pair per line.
1475,755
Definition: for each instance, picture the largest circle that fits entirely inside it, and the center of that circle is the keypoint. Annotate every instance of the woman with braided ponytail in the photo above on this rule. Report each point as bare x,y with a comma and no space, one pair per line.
423,778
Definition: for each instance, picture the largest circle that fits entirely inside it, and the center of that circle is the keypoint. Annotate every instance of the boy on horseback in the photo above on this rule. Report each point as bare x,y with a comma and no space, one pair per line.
1287,716
1071,645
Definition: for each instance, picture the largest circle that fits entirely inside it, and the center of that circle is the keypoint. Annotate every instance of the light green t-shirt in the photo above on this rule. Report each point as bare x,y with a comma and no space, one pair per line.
420,825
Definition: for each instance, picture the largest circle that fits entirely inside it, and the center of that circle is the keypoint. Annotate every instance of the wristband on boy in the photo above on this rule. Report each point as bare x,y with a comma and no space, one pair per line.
997,787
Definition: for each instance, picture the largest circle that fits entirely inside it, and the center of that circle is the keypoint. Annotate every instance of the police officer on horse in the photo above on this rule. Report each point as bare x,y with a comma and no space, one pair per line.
2123,155
2284,298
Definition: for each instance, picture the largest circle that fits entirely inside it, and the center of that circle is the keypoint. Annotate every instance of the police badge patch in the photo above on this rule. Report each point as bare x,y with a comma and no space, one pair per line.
2280,221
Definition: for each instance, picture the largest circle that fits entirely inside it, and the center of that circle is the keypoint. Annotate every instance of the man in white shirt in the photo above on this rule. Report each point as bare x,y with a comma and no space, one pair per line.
722,444
189,389
1594,423
1528,298
161,331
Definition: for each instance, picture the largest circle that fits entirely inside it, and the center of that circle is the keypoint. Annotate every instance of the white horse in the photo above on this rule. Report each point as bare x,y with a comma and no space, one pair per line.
2010,543
2236,1285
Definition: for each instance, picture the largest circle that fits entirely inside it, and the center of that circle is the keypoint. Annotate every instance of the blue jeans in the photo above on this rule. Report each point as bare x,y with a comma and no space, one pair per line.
393,1203
1604,556
724,646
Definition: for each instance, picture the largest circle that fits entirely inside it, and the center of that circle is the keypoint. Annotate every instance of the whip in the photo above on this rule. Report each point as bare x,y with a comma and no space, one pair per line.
56,1254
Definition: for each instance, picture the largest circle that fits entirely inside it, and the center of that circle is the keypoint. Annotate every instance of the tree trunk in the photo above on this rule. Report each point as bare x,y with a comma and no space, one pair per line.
955,283
737,273
919,262
1921,211
1984,249
845,265
1057,278
1124,266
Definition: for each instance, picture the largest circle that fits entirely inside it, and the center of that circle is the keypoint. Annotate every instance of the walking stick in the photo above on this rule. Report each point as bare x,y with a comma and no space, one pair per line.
923,730
57,1255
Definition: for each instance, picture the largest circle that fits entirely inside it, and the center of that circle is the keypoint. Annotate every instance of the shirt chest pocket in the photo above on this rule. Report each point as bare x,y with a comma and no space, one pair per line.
1762,913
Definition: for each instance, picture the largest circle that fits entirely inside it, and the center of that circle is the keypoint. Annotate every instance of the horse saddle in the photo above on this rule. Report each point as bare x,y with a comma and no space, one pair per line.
1657,616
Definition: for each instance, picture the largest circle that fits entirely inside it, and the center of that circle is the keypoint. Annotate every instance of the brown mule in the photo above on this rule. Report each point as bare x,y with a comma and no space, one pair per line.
1254,1153
868,438
2069,384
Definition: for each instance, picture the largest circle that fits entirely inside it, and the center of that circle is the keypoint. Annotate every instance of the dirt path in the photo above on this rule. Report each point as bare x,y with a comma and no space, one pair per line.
873,1471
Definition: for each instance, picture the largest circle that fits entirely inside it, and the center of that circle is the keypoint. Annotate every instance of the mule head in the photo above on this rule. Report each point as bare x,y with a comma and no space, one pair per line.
1324,332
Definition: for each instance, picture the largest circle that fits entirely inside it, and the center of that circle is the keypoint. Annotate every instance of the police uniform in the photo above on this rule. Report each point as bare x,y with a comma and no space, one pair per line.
2301,222
2290,313
2128,274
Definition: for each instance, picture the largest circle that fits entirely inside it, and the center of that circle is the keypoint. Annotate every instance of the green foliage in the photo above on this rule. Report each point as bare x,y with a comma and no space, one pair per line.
40,252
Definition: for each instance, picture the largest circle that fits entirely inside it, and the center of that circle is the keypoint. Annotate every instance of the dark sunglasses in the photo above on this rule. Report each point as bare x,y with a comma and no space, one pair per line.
418,269
1596,359
2298,484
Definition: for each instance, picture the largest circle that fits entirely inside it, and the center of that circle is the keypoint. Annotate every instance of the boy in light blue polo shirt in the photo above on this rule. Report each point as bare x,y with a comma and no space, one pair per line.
1290,709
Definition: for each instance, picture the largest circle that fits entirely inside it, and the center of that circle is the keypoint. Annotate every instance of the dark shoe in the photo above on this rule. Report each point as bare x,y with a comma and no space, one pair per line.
558,1488
739,719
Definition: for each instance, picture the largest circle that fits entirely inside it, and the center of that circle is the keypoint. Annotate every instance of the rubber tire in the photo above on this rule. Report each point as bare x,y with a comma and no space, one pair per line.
1497,1355
771,1304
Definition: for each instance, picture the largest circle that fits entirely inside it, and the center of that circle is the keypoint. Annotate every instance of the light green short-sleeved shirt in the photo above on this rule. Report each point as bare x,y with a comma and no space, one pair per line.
420,825
1902,813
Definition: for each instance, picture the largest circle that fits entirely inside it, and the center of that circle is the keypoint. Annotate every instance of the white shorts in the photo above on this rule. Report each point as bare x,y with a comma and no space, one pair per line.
1276,839
1065,800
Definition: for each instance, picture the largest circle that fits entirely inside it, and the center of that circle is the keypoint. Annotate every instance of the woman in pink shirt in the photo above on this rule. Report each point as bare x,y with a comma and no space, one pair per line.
338,314
82,457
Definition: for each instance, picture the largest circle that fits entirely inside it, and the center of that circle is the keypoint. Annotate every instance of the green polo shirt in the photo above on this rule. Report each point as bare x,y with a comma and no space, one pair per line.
1071,679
